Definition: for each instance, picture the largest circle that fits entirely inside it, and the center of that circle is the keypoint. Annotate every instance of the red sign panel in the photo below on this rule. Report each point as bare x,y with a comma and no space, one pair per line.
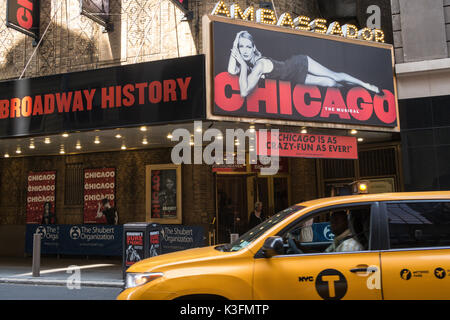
23,15
99,184
41,197
309,146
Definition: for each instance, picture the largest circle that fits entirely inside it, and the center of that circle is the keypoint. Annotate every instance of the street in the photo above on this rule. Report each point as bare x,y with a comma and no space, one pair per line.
48,292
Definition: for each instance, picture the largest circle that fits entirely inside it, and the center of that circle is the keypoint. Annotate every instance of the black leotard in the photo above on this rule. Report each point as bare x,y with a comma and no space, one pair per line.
293,69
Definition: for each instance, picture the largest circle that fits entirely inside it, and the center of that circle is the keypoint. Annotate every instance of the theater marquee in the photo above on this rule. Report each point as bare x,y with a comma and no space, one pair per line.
287,76
156,92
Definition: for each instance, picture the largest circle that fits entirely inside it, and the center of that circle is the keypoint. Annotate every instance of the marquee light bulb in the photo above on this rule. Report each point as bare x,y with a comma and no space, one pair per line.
335,29
221,8
266,16
236,12
302,23
286,21
319,26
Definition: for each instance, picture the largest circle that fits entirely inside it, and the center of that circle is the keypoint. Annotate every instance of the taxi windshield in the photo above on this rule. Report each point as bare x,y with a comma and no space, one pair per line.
254,233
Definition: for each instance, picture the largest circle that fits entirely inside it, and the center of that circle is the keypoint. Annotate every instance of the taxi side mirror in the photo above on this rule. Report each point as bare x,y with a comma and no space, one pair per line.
273,246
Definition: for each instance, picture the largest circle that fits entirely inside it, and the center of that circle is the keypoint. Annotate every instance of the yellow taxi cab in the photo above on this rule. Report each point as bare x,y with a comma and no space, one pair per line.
394,246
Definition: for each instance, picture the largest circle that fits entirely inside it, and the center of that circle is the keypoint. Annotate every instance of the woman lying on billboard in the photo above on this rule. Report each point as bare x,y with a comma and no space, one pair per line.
299,69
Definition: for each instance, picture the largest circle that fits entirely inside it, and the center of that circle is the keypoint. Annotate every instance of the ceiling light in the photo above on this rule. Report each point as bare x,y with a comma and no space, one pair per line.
118,136
123,147
143,128
97,140
32,146
169,136
7,155
144,141
61,150
18,150
47,140
353,131
65,134
304,131
360,139
78,145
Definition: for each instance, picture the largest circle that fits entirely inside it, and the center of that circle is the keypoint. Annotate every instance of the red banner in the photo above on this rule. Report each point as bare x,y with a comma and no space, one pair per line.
309,146
41,197
99,184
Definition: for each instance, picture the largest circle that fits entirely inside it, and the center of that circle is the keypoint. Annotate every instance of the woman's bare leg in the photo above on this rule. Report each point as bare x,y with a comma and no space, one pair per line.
319,70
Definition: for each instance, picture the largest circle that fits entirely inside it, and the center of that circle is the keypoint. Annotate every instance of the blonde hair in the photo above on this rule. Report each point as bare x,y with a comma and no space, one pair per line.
257,55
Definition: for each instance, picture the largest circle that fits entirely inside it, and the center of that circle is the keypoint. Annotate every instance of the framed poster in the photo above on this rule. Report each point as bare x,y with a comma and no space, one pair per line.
163,193
41,197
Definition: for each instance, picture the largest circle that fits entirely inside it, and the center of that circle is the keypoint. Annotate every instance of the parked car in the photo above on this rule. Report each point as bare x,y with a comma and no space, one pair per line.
396,246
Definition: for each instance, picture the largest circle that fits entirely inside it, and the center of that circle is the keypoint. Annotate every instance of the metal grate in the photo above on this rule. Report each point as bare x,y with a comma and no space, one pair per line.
338,169
372,163
73,194
380,162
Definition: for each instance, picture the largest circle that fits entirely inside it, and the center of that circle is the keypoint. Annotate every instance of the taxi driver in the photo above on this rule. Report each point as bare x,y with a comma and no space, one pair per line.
344,240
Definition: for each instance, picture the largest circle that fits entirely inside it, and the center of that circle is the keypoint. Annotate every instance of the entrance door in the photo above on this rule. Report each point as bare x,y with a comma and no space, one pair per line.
417,265
262,192
232,205
280,193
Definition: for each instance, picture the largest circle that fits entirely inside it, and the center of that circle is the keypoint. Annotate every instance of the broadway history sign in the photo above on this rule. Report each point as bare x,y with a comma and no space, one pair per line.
131,95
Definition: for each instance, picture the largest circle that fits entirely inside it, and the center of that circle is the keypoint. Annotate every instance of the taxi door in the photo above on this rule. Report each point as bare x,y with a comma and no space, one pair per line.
416,264
329,276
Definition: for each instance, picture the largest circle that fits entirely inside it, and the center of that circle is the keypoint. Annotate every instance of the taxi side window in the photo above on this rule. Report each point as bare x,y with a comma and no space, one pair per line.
316,234
419,224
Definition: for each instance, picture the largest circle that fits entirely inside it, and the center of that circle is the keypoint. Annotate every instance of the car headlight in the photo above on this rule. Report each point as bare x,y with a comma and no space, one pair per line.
139,279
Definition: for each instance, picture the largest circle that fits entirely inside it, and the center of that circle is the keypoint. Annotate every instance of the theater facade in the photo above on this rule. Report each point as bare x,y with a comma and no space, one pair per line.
94,108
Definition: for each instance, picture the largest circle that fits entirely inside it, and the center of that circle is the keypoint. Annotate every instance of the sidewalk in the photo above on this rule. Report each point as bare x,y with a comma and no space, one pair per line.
94,273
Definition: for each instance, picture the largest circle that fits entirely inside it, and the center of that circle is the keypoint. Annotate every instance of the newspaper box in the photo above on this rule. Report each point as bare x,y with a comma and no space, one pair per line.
141,240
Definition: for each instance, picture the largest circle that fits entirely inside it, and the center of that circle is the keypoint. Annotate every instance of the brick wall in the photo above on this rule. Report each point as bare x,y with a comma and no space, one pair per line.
143,30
